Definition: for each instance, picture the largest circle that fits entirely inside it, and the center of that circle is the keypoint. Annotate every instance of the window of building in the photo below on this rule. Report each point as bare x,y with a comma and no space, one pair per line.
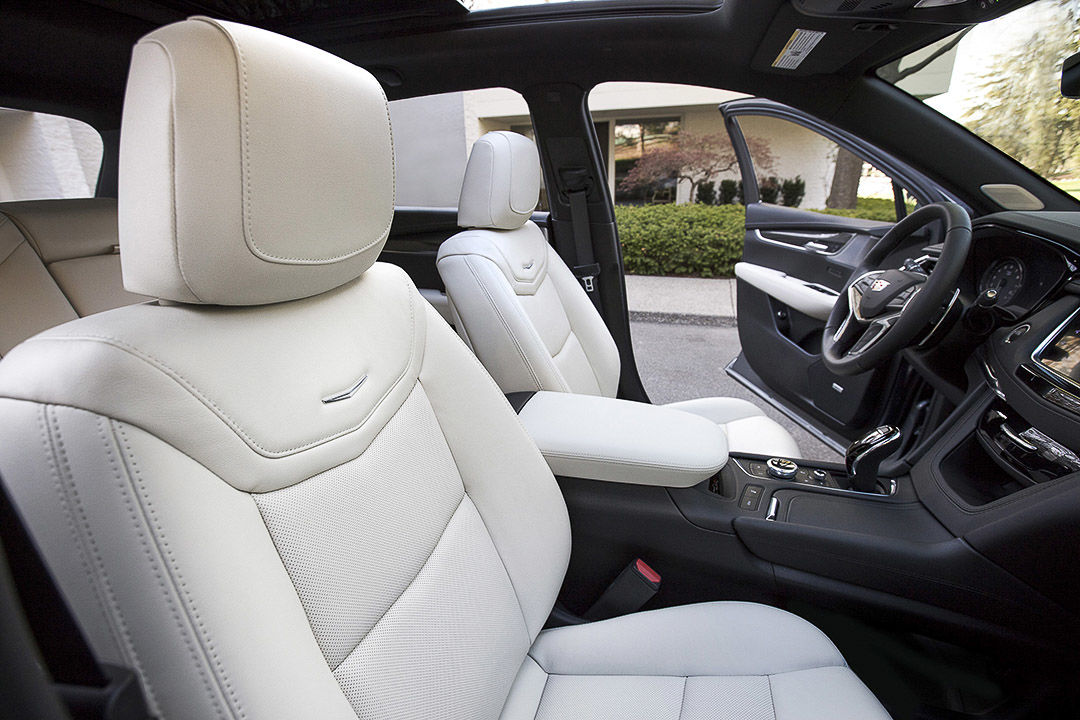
47,156
636,120
632,139
433,135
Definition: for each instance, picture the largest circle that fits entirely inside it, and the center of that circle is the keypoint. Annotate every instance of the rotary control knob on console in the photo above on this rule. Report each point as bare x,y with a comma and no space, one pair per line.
781,468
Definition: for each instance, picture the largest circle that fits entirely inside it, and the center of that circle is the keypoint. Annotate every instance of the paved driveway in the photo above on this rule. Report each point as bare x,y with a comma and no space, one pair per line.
681,362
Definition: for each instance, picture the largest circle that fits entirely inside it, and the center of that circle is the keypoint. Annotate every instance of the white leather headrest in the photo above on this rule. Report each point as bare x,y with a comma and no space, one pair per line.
502,182
253,168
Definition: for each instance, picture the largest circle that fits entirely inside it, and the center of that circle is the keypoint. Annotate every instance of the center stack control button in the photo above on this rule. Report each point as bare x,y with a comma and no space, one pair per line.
751,497
781,468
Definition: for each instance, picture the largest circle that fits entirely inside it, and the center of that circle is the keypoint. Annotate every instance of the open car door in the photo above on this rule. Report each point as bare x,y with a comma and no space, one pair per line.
817,199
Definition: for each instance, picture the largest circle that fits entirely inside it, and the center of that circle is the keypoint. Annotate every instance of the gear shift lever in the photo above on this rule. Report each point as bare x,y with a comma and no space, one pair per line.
865,455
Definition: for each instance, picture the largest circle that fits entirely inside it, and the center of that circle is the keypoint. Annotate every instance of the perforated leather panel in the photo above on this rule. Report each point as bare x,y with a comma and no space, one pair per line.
396,571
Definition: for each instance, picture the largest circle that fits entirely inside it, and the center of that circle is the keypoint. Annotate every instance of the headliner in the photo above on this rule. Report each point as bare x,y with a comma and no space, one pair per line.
71,56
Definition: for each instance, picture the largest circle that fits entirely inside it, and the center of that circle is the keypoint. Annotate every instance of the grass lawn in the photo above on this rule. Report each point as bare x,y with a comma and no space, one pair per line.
1070,185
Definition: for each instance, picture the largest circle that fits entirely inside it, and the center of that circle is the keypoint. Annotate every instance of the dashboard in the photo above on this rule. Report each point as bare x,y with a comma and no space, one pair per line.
1020,268
1031,359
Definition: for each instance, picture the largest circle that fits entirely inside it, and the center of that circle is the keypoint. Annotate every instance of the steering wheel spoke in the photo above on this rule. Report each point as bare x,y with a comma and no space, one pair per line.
874,332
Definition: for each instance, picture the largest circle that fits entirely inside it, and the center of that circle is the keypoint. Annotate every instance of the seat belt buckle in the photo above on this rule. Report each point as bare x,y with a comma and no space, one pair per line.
634,586
587,275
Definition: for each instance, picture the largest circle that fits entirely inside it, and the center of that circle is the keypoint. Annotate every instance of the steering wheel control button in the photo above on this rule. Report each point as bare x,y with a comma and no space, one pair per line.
781,468
751,497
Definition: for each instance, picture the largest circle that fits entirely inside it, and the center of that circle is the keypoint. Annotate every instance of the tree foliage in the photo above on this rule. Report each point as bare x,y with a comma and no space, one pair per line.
695,159
1020,108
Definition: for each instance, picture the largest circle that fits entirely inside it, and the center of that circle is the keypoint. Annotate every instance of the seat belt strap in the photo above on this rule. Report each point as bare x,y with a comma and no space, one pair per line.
587,270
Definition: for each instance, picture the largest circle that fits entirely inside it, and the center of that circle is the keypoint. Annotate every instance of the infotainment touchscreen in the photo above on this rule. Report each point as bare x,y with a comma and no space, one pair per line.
1063,354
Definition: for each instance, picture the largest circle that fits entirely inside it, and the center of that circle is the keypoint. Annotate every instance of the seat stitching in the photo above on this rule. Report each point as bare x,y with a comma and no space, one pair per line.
28,237
249,221
772,698
89,543
172,169
504,323
491,383
510,579
543,691
591,307
62,495
682,699
3,221
142,513
563,345
69,501
55,454
392,605
224,416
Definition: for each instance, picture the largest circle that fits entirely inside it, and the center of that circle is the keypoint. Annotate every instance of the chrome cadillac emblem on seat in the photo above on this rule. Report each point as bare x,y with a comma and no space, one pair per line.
346,393
879,285
528,265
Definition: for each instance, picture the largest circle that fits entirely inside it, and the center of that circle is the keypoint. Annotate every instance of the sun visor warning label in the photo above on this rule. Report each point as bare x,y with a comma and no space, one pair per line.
797,48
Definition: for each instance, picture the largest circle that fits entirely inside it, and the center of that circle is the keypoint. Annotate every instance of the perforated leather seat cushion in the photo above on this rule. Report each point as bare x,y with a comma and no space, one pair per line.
711,661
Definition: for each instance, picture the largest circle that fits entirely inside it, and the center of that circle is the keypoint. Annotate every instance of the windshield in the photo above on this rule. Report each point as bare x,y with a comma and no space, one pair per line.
1001,80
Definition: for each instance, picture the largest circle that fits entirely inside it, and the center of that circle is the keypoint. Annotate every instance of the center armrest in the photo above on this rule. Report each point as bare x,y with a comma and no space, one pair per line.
598,438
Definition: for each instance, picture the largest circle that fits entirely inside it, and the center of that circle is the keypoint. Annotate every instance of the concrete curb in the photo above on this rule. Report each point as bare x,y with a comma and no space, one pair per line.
682,318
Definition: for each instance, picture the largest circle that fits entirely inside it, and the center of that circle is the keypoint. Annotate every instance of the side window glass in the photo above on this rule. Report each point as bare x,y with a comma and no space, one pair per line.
433,135
47,156
798,167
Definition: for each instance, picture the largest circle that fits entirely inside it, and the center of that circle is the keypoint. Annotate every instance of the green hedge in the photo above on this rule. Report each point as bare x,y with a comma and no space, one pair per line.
882,209
703,240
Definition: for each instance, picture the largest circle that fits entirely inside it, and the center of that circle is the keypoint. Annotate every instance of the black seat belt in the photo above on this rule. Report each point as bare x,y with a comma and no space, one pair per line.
89,689
586,269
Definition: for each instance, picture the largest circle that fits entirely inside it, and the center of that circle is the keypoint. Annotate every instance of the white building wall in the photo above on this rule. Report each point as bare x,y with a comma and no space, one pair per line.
433,135
797,151
430,149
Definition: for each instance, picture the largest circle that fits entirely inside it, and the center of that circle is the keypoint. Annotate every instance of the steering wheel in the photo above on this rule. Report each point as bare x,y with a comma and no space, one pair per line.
882,311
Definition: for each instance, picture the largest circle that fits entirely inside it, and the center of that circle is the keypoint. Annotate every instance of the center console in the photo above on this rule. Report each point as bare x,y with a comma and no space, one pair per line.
961,542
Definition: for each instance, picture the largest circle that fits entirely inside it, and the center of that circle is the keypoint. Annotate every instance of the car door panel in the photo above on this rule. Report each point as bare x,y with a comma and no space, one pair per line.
795,263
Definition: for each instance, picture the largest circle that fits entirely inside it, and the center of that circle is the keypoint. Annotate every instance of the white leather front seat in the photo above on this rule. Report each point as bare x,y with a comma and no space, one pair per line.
287,490
522,311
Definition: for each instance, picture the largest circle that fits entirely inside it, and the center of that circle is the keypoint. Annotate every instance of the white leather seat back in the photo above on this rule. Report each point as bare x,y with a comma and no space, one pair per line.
515,302
58,261
319,506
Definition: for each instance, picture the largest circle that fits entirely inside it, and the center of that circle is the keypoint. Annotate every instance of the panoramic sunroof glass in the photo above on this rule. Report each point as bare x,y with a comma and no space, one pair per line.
1002,80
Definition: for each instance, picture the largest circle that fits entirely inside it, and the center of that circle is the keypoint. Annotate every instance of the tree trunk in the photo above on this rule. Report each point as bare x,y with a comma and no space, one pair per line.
845,181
